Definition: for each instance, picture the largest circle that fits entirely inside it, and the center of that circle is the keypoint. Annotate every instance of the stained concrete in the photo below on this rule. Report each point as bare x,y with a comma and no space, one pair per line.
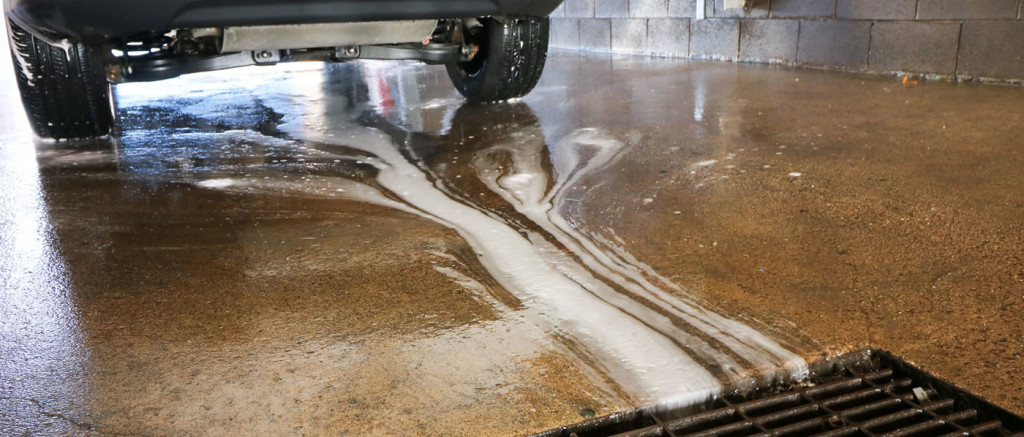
876,9
142,296
668,37
803,8
714,39
629,35
963,9
768,40
839,44
990,50
917,47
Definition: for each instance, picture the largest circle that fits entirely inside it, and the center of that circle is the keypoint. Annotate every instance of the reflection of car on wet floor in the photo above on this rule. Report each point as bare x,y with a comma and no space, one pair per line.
68,52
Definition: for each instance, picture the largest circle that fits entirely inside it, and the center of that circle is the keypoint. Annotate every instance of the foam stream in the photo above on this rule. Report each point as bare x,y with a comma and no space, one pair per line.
523,181
633,325
649,364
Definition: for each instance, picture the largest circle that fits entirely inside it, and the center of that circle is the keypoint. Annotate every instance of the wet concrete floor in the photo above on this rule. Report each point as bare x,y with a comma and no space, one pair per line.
351,249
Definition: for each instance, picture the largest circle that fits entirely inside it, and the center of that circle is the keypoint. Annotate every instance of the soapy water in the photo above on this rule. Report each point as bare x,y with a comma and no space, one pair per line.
630,324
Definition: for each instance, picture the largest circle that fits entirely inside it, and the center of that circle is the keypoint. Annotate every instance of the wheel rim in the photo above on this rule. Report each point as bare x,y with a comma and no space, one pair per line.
478,37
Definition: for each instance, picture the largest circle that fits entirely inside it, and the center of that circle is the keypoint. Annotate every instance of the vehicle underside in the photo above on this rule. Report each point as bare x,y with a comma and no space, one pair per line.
67,56
156,56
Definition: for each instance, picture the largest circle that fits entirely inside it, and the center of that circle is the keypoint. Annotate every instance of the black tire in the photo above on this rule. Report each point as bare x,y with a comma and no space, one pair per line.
508,63
64,91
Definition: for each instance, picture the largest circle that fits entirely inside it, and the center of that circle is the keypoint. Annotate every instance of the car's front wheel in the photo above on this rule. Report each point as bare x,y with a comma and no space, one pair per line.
506,58
63,88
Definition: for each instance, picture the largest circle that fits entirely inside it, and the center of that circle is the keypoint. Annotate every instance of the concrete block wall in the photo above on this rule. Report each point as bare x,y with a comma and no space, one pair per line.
961,39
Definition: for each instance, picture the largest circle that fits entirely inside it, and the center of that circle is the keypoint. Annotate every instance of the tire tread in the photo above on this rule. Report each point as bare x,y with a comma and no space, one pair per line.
64,93
512,70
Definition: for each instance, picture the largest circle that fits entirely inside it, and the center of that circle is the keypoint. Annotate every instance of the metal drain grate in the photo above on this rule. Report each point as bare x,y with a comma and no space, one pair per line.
880,396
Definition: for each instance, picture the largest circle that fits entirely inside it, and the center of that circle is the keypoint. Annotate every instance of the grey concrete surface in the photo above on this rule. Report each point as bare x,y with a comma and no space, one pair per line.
611,8
803,8
840,44
876,9
914,47
913,36
579,8
648,8
295,250
629,35
565,32
759,10
992,50
682,8
714,39
668,37
768,40
596,35
967,9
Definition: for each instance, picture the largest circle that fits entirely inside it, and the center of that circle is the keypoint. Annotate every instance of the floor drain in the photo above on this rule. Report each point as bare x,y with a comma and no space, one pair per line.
870,394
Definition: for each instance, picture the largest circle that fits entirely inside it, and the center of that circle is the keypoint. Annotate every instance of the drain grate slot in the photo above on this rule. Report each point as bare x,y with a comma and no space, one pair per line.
879,396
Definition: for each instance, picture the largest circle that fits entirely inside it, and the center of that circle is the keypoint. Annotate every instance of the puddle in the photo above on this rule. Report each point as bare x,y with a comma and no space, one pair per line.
511,197
306,200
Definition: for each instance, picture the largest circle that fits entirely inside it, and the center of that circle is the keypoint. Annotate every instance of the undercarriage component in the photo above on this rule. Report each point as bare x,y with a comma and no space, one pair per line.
302,36
145,70
151,69
435,53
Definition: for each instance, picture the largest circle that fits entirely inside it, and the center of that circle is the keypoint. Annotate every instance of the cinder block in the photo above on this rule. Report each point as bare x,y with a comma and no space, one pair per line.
876,9
565,33
648,8
559,12
596,34
803,8
759,10
682,8
579,8
668,37
992,50
714,38
769,40
629,35
611,9
968,9
917,47
842,44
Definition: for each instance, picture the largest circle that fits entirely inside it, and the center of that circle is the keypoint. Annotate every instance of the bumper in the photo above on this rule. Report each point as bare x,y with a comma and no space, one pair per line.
85,19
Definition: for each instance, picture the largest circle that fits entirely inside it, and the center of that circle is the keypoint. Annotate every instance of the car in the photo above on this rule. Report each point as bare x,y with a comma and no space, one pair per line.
68,53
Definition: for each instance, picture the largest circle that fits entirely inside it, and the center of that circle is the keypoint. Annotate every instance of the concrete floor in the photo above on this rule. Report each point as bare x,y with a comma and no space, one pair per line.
295,249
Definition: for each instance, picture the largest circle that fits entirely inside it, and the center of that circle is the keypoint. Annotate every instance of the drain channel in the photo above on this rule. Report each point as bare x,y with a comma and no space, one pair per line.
870,394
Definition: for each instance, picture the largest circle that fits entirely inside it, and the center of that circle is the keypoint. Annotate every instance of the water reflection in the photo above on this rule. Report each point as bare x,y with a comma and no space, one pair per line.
43,362
486,177
512,190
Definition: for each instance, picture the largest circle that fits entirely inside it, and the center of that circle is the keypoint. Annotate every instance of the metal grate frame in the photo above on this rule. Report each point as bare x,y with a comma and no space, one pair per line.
868,395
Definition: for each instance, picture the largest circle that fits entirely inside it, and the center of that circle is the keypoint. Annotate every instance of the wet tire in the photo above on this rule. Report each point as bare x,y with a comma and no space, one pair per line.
508,63
64,90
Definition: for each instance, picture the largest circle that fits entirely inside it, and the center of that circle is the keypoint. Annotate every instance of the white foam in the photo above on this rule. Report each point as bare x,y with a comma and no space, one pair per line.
217,183
649,364
21,63
615,264
635,339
